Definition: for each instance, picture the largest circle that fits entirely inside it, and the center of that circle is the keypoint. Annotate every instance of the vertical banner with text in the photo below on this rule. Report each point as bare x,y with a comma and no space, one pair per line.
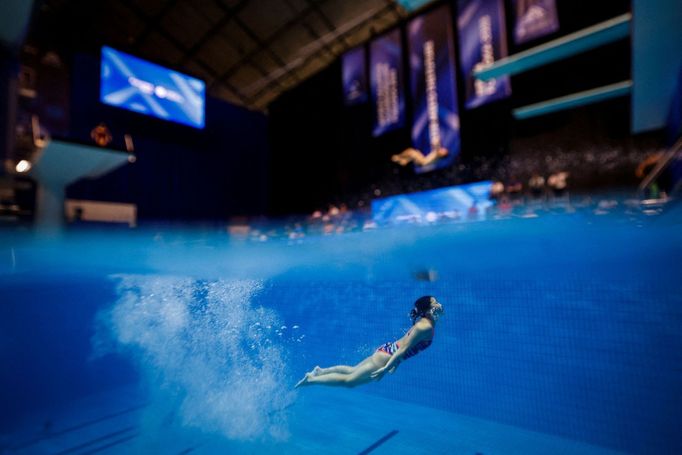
435,128
482,41
386,81
534,19
354,76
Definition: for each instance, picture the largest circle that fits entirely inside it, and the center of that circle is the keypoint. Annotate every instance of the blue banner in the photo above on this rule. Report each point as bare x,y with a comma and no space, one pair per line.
450,203
386,80
534,19
354,76
435,131
482,40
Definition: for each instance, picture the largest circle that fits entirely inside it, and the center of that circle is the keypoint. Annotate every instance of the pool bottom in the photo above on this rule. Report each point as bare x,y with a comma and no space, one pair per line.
330,421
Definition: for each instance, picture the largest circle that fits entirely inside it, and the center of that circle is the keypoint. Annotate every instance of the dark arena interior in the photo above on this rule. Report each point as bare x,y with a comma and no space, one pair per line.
207,205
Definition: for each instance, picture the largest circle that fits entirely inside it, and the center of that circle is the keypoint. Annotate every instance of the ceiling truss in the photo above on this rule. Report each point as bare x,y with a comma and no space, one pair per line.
247,51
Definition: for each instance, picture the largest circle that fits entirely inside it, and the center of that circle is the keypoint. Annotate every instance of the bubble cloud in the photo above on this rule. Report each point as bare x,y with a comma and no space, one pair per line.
201,345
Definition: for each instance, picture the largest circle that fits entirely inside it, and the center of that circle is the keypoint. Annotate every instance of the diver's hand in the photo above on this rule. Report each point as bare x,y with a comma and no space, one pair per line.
378,374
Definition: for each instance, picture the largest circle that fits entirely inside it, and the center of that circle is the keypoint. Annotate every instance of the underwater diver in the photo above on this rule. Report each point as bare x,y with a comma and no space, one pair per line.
387,357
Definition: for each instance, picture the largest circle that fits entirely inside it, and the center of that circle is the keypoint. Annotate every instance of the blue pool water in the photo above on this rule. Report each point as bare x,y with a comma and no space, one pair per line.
562,334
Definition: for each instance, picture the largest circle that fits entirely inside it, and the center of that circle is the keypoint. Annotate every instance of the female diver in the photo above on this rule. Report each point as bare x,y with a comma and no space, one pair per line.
387,357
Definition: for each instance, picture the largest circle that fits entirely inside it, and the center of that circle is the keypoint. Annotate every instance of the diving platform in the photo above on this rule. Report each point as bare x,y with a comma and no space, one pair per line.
61,163
574,100
566,46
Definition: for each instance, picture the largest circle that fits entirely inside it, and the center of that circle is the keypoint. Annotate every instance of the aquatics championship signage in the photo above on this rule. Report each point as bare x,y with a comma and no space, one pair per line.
534,19
386,81
482,41
354,74
433,87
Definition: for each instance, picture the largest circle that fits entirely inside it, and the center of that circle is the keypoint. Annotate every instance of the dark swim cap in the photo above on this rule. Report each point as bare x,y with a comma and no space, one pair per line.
421,306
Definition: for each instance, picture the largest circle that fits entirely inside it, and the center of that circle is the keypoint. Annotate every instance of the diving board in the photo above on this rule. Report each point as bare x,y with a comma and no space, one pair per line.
61,163
574,100
588,38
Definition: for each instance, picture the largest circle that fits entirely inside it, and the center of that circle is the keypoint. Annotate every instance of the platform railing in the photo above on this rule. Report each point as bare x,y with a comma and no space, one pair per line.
674,152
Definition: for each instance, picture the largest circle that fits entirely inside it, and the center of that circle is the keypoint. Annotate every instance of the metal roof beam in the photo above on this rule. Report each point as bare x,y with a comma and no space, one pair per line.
256,39
311,30
213,31
266,42
313,55
397,9
330,25
174,41
152,23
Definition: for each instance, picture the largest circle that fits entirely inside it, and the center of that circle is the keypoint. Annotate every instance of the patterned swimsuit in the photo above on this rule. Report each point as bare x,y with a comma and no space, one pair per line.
392,346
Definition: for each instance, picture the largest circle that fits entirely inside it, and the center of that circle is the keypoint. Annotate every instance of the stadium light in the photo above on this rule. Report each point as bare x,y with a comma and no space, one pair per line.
23,166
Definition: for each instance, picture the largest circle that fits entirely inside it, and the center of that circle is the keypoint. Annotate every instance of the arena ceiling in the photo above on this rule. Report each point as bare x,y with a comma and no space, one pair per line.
247,51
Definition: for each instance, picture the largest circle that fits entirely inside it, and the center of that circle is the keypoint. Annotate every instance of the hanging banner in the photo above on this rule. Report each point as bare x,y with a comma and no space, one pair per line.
482,41
354,76
386,81
534,19
435,131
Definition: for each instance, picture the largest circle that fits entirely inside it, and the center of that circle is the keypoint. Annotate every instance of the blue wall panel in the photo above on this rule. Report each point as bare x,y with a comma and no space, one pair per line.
656,60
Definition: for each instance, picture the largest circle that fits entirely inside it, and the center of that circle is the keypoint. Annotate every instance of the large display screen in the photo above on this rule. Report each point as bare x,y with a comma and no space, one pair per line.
140,86
467,201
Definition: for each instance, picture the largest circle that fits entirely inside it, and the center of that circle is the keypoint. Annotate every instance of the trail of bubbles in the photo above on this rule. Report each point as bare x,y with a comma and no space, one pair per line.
201,345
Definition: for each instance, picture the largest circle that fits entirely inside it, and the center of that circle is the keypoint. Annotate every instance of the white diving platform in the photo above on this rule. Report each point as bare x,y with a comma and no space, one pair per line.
61,163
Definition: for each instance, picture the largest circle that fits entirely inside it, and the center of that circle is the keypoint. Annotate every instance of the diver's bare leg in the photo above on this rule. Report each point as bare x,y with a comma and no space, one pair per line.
343,369
361,374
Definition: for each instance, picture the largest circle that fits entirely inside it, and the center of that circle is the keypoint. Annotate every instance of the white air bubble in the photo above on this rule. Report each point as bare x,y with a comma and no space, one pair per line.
202,354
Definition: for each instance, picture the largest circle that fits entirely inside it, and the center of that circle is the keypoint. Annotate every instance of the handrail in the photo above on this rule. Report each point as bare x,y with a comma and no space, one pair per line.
660,166
574,43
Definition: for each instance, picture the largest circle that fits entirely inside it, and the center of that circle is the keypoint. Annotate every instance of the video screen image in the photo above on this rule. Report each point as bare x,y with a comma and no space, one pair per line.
131,83
470,200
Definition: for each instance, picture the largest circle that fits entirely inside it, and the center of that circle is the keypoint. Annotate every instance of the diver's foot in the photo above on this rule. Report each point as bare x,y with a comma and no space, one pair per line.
303,381
317,371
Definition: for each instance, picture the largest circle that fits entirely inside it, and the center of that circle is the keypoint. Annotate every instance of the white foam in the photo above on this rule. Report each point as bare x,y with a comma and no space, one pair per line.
200,344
